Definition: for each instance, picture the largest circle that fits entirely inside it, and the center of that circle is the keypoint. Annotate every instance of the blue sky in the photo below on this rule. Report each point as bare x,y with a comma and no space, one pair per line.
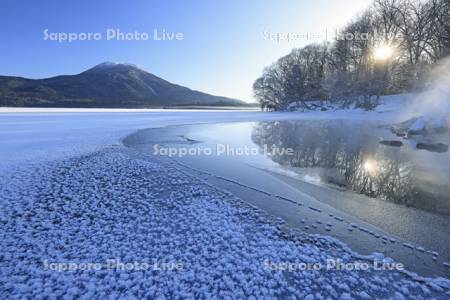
222,52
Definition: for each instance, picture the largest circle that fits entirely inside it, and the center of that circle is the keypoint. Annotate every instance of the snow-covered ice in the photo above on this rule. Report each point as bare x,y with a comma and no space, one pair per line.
70,193
113,204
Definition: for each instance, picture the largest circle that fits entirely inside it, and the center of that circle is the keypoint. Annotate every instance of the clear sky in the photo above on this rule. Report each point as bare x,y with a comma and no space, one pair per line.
223,50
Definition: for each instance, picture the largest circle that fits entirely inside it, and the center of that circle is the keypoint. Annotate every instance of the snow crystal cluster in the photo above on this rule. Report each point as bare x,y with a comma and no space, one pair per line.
114,204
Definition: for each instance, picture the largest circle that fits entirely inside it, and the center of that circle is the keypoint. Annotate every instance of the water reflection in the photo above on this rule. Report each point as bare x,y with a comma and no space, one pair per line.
349,154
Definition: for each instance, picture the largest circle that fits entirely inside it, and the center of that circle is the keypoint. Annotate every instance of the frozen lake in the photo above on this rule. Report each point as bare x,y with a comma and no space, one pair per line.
43,137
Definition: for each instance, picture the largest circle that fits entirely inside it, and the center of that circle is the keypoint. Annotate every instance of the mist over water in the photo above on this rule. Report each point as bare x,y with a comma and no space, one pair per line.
434,102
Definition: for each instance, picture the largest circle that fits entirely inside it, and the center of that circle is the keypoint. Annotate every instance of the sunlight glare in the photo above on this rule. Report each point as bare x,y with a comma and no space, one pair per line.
371,166
383,52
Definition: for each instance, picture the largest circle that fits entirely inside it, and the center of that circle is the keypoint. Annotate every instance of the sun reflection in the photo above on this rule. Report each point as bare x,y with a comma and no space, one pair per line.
370,166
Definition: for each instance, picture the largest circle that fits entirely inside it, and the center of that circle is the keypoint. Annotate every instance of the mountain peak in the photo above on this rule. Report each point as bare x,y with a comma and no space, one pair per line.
108,65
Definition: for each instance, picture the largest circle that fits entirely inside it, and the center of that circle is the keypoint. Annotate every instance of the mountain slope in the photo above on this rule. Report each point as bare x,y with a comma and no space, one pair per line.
105,85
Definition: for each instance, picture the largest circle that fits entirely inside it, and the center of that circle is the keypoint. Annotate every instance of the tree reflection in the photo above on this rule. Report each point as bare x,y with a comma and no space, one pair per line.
347,153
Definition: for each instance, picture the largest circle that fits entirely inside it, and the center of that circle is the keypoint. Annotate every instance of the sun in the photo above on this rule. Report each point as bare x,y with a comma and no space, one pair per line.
383,52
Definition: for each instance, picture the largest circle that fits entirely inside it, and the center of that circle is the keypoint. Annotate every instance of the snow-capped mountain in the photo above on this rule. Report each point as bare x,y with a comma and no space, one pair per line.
105,85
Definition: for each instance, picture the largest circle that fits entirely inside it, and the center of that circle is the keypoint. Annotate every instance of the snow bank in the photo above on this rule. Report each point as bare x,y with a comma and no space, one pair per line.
391,107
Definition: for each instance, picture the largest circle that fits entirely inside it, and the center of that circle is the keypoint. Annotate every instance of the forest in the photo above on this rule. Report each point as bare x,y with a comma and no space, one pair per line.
389,48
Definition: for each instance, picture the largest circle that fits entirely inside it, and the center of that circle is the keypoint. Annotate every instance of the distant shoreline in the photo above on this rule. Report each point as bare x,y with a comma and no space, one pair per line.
98,109
208,107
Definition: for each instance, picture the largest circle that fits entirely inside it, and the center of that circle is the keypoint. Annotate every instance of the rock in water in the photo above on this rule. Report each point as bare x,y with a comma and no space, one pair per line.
437,147
392,143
